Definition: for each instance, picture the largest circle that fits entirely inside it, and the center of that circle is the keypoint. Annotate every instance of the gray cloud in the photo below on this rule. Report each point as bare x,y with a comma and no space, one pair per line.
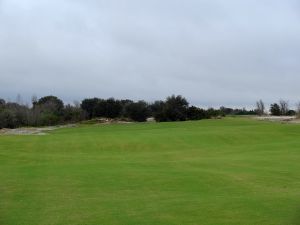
213,52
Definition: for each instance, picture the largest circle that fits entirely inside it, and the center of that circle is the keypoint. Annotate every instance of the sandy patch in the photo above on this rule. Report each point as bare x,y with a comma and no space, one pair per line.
32,130
100,121
283,119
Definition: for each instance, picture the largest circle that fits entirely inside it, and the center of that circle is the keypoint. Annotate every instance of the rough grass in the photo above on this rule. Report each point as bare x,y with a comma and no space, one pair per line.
214,172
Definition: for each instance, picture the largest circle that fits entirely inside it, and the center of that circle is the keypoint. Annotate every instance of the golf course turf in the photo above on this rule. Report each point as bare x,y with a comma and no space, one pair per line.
234,171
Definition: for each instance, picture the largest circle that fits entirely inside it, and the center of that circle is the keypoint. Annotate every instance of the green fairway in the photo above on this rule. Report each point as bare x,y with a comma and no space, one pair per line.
212,172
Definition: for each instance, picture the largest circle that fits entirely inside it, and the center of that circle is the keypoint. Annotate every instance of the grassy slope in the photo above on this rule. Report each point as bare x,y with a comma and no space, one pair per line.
229,172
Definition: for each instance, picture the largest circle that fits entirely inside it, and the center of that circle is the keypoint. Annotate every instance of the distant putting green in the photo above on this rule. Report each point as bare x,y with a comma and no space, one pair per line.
233,171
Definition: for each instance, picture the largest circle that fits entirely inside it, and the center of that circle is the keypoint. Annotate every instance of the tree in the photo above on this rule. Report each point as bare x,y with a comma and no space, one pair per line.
51,104
113,108
137,111
213,113
124,103
157,110
100,109
89,106
298,110
291,112
194,113
34,115
2,103
19,100
226,111
34,99
76,104
8,119
20,113
173,109
73,113
275,109
49,111
284,107
260,107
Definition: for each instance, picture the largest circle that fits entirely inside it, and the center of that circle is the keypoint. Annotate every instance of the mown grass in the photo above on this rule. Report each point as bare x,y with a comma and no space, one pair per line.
213,172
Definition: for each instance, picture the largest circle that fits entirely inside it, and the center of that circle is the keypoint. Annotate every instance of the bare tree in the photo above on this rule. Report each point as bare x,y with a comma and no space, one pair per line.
76,104
34,99
284,107
19,99
260,107
298,110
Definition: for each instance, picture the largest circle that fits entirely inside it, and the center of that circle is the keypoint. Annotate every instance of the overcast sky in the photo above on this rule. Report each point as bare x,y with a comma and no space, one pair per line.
213,52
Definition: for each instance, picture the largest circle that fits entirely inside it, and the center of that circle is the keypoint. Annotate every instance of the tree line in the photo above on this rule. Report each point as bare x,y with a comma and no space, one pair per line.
278,109
50,110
